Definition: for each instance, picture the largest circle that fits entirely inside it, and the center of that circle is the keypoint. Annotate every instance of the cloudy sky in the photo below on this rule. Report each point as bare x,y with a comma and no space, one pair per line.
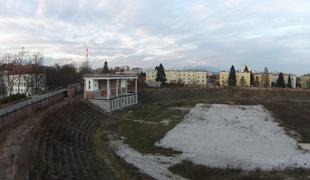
177,33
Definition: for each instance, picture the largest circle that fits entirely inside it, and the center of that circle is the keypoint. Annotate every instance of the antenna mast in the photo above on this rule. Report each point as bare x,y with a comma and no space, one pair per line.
86,53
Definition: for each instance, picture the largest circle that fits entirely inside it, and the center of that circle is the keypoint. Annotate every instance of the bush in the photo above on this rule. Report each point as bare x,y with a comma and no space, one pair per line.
12,98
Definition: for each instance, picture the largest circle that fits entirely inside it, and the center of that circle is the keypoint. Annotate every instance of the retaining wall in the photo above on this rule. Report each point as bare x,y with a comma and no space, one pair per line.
18,111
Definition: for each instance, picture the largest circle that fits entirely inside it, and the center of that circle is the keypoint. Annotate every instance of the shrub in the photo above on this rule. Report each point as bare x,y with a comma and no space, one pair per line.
12,98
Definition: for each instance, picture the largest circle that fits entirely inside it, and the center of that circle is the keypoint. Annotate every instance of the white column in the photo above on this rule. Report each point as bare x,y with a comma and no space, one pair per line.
126,85
121,87
108,89
136,86
117,87
85,87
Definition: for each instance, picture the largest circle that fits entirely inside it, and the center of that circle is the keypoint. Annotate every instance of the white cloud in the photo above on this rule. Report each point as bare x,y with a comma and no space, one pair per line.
176,33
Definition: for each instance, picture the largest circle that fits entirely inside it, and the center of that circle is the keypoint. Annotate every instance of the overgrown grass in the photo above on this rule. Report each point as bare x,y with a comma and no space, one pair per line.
142,127
294,116
199,172
115,166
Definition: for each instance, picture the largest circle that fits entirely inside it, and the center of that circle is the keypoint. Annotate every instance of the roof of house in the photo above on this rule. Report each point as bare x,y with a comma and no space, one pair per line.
13,69
110,76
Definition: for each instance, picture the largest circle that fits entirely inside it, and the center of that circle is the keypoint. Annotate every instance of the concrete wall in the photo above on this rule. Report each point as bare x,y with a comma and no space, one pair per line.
18,114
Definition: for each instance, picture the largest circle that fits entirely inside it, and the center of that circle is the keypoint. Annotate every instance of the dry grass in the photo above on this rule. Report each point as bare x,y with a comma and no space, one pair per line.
199,172
290,108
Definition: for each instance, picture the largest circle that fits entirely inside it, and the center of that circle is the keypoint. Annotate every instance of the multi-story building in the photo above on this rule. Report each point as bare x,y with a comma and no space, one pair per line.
22,80
243,79
181,77
305,81
262,79
275,77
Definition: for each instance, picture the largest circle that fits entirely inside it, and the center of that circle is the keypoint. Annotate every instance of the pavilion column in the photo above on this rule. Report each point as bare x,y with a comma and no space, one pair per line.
136,86
121,87
117,87
108,89
126,85
85,87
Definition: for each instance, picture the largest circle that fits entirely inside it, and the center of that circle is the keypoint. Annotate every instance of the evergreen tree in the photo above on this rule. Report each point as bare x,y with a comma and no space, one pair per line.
252,83
246,69
256,83
161,75
280,81
105,68
289,83
265,78
232,76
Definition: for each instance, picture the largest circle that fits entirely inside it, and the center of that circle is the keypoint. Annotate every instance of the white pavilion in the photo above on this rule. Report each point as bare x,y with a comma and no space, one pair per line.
111,91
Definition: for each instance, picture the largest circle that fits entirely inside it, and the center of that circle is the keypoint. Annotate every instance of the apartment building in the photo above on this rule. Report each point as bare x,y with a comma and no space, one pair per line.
183,77
275,77
21,80
262,79
243,79
305,81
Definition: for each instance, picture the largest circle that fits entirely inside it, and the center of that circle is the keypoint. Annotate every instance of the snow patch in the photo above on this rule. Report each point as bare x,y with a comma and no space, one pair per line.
153,165
235,136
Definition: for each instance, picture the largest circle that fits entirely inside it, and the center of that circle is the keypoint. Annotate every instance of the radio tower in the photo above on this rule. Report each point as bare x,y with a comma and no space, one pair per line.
86,53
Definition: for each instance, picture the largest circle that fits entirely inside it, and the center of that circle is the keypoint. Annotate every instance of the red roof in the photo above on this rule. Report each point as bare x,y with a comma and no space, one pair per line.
21,69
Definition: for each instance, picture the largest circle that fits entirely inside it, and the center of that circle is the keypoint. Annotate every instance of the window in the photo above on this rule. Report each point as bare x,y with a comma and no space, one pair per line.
88,84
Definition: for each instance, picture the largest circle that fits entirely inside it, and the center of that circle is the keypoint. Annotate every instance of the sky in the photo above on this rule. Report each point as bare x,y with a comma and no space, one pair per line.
177,33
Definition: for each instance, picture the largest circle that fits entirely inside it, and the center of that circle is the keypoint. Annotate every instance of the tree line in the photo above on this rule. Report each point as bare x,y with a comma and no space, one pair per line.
54,76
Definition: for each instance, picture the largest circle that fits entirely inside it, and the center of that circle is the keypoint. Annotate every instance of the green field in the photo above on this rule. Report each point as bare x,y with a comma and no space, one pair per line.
141,126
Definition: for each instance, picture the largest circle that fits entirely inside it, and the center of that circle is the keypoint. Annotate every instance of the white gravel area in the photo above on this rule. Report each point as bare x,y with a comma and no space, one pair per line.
235,136
155,166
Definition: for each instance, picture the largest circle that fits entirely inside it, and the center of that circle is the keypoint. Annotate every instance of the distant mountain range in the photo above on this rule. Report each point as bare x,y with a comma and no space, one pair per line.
202,68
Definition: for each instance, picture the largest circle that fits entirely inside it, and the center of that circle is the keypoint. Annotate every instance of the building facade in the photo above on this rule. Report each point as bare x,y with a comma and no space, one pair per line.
305,81
111,91
28,84
21,80
262,79
181,77
243,79
275,77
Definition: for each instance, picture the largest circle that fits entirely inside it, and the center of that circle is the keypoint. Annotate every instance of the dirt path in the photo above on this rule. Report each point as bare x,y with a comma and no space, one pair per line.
11,147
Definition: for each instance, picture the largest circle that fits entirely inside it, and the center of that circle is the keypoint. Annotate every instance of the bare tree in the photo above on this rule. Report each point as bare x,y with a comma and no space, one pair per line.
37,60
7,78
18,70
85,68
